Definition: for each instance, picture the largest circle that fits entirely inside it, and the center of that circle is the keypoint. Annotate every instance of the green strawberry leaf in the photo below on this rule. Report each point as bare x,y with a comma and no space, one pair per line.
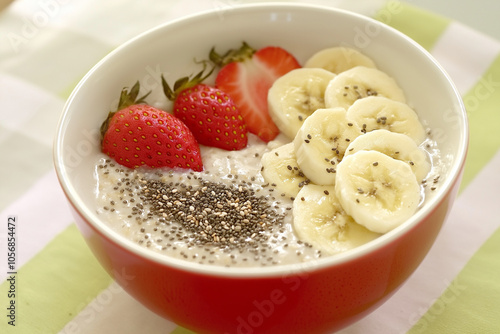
233,55
127,98
185,82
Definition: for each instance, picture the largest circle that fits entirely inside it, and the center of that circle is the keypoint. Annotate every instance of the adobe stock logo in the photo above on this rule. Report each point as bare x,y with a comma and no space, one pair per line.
366,34
485,88
34,23
74,155
221,6
422,318
265,308
89,310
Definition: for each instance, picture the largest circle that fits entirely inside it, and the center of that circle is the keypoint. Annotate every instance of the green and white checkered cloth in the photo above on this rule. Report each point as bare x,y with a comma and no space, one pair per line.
46,48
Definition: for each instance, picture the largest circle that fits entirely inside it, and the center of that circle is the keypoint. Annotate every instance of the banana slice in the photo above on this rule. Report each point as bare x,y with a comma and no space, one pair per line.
280,168
339,59
377,112
321,142
396,145
295,96
318,219
378,191
360,82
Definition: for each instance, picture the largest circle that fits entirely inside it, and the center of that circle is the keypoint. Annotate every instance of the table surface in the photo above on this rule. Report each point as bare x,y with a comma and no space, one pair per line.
481,15
62,288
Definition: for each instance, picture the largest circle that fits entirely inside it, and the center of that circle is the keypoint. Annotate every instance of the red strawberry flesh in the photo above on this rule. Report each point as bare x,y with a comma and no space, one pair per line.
248,83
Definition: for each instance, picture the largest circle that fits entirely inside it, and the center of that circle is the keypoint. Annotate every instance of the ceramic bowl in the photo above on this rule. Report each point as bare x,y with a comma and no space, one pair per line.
317,297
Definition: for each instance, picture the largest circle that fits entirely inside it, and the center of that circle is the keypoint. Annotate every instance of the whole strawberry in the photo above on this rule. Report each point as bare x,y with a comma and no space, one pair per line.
141,135
209,113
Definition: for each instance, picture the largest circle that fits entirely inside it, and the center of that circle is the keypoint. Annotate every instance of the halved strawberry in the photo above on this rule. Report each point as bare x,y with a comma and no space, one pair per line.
208,112
246,75
141,135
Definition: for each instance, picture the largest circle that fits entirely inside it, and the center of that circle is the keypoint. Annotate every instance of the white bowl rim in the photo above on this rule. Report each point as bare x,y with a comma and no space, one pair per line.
269,271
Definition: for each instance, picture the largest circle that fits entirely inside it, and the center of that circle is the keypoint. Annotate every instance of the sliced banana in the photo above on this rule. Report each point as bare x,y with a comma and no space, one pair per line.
321,142
377,112
396,145
318,219
379,192
358,83
295,96
339,59
280,168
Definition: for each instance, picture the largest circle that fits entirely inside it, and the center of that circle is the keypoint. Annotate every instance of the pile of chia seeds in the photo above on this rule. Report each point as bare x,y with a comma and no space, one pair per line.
193,217
212,213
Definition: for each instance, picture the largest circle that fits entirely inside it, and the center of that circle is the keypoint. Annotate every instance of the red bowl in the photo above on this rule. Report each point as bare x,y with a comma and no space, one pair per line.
316,297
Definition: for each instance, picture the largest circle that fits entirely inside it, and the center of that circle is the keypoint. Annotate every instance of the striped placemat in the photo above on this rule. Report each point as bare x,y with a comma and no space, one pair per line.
48,46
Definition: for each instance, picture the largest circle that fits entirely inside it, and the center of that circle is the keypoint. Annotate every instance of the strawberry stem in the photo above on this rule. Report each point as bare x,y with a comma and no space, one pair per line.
127,98
184,83
233,55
